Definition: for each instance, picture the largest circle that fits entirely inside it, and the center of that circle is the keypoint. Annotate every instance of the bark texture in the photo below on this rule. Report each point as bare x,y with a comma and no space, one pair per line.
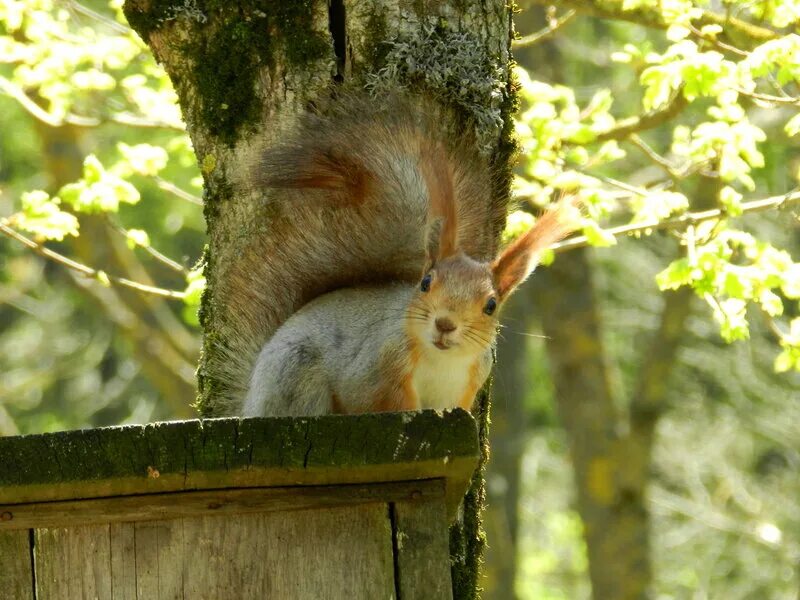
510,426
244,69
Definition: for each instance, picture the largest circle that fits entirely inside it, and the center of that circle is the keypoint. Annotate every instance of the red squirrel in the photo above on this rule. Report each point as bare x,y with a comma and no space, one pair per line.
378,287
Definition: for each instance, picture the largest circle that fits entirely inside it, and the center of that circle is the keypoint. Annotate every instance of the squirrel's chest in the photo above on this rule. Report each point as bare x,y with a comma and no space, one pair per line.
441,381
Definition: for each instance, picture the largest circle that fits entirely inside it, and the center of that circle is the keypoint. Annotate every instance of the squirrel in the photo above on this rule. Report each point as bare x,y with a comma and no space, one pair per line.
377,287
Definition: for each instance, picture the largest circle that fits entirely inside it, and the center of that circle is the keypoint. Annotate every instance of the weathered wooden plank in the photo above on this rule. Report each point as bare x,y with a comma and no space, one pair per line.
224,453
123,561
149,507
16,579
72,563
422,549
343,552
160,558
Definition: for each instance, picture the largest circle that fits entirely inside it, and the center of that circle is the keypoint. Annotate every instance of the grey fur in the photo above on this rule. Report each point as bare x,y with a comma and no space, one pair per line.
351,368
319,241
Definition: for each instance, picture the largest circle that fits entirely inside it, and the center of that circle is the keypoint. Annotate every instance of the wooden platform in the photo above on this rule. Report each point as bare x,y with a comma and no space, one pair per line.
315,508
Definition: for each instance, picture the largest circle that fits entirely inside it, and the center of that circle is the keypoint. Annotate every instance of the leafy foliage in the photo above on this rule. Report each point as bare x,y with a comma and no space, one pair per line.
685,122
708,97
86,80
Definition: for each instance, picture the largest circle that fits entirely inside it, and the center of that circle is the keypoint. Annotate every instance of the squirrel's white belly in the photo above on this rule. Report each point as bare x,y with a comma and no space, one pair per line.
441,380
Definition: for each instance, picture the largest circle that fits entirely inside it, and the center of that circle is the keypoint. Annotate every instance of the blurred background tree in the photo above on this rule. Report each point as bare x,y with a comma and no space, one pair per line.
635,452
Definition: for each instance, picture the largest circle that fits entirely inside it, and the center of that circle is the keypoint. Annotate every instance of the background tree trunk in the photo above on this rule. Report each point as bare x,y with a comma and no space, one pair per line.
240,68
508,434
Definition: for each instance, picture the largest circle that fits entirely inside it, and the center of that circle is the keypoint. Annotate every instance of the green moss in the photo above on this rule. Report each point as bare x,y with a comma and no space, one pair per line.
376,46
504,156
467,538
225,67
228,44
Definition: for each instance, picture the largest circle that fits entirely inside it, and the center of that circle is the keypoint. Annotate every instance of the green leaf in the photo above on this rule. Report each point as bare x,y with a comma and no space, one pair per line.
92,169
102,277
787,360
731,201
771,303
676,33
792,126
100,190
596,236
137,237
42,217
735,286
196,284
731,314
679,273
142,159
791,282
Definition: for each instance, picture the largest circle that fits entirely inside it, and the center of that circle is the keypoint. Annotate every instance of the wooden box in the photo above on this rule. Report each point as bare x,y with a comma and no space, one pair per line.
314,508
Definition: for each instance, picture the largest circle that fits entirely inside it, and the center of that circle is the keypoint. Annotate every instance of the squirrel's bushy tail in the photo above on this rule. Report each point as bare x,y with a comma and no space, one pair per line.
349,196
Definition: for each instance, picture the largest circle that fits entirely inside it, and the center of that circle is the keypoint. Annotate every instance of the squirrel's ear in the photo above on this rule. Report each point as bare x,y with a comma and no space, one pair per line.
438,174
433,243
520,258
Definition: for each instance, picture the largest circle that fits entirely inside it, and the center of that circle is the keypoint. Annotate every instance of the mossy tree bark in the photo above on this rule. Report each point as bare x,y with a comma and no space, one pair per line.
241,68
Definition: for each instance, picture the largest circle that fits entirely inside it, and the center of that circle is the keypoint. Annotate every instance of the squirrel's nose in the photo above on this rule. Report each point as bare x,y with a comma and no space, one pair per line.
445,325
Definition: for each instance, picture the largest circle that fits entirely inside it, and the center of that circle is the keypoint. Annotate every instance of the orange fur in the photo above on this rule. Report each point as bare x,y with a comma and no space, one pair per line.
472,389
518,260
337,408
438,176
410,399
397,391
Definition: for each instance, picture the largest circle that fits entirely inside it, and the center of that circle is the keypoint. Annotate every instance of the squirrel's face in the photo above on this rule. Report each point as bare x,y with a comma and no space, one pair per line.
455,307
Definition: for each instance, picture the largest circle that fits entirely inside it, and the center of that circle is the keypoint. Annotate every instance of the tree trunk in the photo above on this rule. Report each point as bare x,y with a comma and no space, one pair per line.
509,427
616,543
241,68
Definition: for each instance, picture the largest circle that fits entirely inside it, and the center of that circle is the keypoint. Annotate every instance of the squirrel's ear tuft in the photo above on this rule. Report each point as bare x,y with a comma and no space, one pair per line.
520,258
438,174
433,243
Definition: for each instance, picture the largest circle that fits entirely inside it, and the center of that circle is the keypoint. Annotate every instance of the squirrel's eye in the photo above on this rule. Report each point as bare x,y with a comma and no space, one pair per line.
425,285
491,306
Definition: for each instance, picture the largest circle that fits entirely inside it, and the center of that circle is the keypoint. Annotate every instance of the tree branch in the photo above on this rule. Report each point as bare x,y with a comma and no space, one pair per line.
162,258
683,221
649,16
178,192
546,33
631,125
110,23
83,269
674,173
18,94
789,100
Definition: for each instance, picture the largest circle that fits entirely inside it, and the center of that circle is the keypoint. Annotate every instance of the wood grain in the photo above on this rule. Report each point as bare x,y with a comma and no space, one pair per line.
72,563
421,548
152,507
123,560
16,580
233,453
339,553
330,554
160,556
